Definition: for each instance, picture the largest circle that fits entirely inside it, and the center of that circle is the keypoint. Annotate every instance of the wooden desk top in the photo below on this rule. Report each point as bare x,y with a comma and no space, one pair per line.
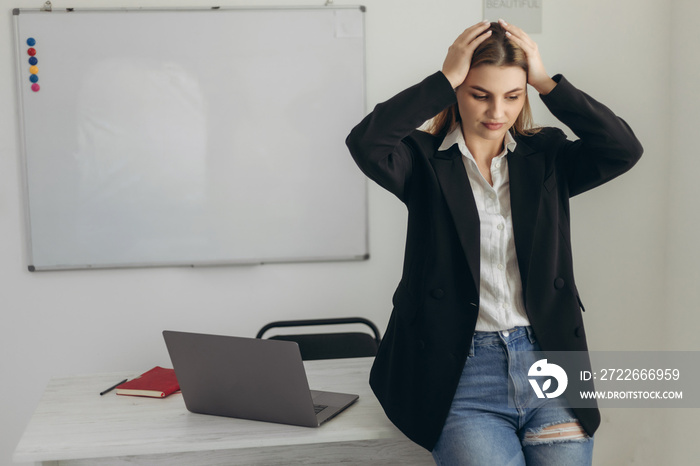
72,421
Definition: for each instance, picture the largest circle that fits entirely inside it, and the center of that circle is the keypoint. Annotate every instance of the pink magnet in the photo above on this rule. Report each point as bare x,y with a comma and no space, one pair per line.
35,87
31,51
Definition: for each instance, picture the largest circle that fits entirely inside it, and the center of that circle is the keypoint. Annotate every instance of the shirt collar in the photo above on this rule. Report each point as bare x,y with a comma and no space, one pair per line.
456,137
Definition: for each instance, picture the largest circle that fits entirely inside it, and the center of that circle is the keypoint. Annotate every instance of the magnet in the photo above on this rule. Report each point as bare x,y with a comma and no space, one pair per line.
31,42
34,69
33,78
31,51
35,87
33,61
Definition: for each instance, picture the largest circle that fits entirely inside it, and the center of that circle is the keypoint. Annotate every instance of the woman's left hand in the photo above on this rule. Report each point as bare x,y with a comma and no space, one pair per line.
537,76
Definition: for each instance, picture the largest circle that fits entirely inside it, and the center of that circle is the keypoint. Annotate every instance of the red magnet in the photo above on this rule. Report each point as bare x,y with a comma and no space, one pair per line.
35,87
31,51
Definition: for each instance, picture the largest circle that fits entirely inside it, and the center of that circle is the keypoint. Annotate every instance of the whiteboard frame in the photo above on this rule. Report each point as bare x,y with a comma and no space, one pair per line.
16,12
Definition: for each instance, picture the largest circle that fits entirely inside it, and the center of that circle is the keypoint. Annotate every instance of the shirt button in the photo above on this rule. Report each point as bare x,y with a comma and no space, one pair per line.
500,267
500,226
498,164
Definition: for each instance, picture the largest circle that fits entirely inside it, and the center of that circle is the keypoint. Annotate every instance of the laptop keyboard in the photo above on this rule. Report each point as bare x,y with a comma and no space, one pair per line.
319,408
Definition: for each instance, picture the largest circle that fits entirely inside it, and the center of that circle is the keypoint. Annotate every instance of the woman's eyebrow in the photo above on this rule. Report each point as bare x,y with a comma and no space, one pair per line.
481,89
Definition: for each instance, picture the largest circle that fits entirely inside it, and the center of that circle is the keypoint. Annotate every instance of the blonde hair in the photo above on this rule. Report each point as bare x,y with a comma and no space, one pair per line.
497,50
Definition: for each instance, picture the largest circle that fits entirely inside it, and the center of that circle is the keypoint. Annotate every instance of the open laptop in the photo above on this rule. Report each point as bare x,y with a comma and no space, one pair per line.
249,378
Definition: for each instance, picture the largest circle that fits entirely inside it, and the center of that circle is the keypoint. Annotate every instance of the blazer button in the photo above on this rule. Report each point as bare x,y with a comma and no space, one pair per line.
559,283
437,293
578,332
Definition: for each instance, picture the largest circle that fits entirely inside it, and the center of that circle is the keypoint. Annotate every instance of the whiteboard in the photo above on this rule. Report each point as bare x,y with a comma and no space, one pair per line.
191,137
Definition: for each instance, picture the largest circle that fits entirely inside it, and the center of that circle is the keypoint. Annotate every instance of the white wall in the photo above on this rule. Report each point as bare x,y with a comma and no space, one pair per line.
682,276
631,238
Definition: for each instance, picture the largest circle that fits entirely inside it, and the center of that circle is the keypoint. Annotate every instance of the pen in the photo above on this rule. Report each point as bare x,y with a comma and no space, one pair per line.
113,387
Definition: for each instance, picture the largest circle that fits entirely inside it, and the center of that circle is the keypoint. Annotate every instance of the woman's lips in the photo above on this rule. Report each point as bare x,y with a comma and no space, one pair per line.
493,126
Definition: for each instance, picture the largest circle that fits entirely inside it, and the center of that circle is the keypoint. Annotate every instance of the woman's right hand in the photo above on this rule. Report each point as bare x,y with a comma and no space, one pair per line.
459,55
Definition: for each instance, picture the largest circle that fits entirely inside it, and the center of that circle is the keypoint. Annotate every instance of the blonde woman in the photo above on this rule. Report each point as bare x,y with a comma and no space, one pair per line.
488,274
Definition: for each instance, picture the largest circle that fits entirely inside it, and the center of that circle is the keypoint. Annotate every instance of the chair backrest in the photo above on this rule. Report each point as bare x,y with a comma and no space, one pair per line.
335,345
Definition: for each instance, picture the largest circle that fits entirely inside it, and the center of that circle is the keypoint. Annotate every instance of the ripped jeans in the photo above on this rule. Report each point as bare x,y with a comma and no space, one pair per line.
489,424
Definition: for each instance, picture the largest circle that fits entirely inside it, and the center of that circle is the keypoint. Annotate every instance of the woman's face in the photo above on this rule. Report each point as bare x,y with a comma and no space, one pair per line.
490,100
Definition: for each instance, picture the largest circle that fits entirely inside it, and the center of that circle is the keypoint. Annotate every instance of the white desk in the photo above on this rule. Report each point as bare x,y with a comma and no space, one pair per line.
74,425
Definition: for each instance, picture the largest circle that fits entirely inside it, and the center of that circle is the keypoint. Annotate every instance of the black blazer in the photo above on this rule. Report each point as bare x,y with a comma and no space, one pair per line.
421,357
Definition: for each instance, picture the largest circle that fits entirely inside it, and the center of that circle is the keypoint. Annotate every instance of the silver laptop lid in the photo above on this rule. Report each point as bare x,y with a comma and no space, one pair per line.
244,378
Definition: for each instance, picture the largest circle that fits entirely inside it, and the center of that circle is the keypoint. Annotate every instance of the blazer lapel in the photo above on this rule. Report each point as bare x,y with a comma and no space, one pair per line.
526,174
454,182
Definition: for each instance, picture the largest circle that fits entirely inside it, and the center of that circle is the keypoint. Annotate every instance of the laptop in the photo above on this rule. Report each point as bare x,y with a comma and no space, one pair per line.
249,378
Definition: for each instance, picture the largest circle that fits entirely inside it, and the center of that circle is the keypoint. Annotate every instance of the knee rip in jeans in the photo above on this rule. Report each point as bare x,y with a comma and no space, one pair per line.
570,431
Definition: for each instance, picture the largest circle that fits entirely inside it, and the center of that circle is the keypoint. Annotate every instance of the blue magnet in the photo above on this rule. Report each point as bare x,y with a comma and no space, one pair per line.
33,78
31,42
33,61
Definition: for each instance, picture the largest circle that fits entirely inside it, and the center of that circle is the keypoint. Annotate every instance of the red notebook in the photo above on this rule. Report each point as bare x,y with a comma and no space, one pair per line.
157,383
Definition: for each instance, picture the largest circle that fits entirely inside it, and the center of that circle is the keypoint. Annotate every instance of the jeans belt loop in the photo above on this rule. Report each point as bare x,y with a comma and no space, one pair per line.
531,334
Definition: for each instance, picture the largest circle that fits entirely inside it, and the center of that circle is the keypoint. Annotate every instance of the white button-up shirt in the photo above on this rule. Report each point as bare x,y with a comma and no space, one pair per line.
501,304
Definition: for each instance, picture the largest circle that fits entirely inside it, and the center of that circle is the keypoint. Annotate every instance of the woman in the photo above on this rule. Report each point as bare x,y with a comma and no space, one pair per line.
488,274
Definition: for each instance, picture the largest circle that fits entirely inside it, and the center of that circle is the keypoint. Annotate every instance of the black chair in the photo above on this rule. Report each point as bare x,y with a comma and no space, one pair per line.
329,345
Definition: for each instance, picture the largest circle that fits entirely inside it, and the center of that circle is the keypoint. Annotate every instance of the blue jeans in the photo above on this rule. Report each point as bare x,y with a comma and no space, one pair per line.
496,417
